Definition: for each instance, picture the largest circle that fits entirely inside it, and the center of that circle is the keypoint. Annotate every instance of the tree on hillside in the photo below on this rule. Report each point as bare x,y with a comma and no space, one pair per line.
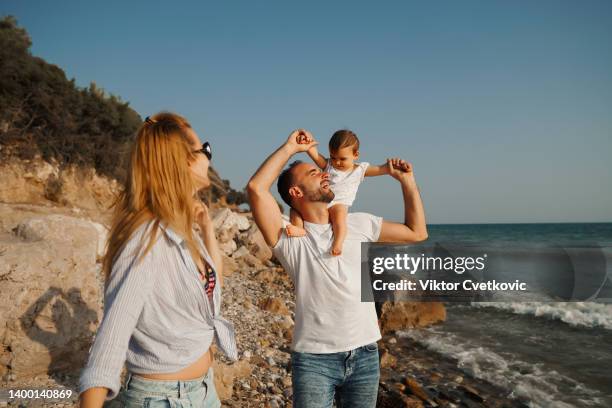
43,112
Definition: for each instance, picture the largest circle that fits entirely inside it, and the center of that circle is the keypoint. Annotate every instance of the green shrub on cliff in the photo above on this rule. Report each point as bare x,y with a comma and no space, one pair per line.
42,112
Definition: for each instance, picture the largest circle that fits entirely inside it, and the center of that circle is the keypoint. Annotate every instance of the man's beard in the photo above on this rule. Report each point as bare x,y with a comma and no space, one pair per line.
319,195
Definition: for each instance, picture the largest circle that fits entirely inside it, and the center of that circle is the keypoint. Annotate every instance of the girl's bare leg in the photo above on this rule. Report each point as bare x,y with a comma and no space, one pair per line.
296,228
338,214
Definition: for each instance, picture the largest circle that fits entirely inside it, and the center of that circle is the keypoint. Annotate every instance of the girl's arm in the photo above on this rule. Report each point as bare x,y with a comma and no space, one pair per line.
317,157
373,171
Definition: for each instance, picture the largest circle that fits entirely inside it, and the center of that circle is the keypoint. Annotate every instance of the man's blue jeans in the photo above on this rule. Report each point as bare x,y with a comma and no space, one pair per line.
350,376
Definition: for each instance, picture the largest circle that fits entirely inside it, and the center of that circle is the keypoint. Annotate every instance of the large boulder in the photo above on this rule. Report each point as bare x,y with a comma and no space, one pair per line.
256,243
229,265
45,228
224,218
48,270
403,315
227,225
231,227
228,247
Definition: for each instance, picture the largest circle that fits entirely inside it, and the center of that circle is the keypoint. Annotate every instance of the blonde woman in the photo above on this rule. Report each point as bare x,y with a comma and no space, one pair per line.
163,280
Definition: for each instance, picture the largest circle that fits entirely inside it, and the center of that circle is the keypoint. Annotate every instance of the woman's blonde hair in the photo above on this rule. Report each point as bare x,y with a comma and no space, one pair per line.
159,187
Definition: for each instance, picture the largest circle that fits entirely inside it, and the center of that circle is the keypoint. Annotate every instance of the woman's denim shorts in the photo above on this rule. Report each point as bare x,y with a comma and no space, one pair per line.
144,392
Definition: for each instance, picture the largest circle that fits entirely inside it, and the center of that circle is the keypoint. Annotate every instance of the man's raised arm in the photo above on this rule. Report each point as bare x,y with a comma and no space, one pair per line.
265,208
414,228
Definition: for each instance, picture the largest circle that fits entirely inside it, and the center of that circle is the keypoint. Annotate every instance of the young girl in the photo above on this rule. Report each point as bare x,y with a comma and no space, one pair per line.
163,280
345,175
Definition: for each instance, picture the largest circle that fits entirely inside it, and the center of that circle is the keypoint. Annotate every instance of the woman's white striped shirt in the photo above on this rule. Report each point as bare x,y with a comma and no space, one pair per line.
157,317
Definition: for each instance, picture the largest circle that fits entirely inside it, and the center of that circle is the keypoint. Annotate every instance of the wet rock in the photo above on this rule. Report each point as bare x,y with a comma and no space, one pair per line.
387,360
402,315
395,399
416,389
471,392
400,386
435,377
411,402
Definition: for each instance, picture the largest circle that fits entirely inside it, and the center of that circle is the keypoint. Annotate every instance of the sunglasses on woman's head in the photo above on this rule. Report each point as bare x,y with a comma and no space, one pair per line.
206,150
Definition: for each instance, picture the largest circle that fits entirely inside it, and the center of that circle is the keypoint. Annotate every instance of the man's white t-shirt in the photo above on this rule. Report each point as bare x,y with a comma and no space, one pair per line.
329,314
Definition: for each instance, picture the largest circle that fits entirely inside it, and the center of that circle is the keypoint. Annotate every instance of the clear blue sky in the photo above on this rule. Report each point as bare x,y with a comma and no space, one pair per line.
503,107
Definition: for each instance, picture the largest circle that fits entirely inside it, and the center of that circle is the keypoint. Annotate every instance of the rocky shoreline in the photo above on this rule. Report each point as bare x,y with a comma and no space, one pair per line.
259,301
413,376
258,298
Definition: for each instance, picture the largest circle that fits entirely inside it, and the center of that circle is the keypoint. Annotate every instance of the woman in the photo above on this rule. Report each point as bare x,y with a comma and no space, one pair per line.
163,280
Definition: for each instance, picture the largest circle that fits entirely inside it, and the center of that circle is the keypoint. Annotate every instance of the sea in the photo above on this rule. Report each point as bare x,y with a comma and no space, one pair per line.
547,354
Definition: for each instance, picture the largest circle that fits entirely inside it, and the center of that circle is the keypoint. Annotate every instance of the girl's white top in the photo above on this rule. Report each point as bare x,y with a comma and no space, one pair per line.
344,184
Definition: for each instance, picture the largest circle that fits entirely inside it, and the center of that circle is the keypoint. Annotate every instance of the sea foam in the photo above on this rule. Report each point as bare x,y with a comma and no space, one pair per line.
585,314
532,383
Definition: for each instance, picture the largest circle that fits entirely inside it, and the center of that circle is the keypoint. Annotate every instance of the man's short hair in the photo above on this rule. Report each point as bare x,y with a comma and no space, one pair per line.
285,182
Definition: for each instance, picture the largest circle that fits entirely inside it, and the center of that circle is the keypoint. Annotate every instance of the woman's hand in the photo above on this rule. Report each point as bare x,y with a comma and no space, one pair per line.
201,214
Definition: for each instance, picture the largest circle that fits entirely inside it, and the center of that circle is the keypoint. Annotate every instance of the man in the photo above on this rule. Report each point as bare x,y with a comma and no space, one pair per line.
335,354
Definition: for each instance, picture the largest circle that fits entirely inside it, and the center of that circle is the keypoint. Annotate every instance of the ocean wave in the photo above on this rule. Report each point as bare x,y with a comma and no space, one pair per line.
584,314
538,386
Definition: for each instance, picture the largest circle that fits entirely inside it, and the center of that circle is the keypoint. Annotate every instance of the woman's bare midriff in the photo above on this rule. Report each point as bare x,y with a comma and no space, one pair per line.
196,370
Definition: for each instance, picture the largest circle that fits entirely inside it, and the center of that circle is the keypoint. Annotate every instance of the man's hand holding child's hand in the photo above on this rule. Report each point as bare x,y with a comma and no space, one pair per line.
400,169
301,140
